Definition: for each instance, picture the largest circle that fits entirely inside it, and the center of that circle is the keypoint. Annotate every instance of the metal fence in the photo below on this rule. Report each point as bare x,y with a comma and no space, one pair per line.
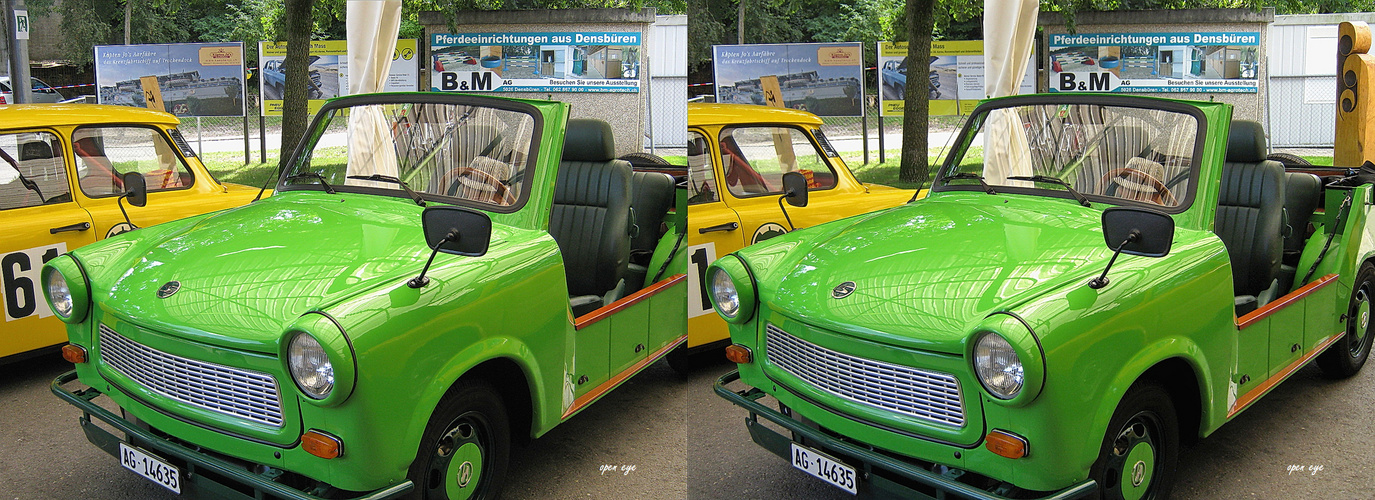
1301,112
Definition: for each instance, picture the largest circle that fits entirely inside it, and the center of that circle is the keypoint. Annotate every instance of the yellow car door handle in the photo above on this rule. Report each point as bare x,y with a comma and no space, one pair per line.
729,226
80,226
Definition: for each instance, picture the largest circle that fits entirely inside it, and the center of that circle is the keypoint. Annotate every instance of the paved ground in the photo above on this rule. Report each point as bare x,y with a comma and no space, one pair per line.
639,430
1315,425
684,441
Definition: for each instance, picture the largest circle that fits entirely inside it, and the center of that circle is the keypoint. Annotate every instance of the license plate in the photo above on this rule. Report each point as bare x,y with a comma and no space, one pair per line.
824,467
151,467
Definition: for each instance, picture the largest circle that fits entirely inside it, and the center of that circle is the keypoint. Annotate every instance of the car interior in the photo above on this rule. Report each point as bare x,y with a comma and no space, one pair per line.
606,218
1263,217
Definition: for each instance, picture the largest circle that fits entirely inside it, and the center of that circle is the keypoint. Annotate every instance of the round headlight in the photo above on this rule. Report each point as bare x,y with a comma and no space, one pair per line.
59,294
999,368
310,366
723,291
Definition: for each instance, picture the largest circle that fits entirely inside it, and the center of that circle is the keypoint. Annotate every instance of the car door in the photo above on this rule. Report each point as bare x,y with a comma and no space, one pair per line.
42,222
714,230
754,159
102,154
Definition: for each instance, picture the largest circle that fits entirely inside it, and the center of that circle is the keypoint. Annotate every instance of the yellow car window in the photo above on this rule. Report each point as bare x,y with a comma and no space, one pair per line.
755,159
701,177
104,154
37,177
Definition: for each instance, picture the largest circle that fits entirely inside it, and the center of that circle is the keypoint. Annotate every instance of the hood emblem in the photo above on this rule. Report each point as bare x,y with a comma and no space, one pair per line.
168,289
843,290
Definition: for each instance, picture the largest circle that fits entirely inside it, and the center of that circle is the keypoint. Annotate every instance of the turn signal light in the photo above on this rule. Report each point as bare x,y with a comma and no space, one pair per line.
1006,444
322,445
74,353
739,354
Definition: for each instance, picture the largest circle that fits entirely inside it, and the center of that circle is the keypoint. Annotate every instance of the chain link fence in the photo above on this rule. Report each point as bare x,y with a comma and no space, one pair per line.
850,134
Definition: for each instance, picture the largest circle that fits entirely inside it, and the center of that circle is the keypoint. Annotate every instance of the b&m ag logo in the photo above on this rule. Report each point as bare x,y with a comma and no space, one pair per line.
1087,81
469,81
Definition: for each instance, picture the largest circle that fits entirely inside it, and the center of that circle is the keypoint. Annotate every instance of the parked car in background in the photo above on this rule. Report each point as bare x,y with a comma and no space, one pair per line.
737,156
62,186
42,92
1058,315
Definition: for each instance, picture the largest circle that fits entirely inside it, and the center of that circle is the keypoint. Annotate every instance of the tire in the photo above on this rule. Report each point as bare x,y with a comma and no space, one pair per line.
468,437
1141,447
1347,355
639,159
1289,160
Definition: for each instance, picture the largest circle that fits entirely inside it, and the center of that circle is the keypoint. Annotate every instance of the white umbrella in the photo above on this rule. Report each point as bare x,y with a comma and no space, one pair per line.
1009,26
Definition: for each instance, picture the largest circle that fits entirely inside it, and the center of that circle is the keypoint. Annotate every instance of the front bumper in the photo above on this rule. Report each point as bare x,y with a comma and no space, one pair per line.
865,461
205,476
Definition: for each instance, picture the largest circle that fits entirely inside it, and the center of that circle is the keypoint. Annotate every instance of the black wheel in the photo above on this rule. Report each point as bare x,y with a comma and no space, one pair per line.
1288,159
1347,355
465,448
1140,450
639,159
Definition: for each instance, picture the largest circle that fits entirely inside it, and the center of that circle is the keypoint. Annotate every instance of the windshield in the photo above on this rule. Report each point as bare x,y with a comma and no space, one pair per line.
448,152
1111,154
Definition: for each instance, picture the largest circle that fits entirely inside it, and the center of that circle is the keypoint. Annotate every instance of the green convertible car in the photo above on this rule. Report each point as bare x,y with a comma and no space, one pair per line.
435,277
1092,279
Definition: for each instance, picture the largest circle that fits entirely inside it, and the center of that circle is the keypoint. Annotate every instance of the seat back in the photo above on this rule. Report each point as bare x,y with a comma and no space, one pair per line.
653,196
1250,209
1302,191
591,212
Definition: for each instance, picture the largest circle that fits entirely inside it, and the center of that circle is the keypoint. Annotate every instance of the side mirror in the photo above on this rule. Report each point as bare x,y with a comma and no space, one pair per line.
1145,232
135,189
1134,231
453,230
795,189
457,231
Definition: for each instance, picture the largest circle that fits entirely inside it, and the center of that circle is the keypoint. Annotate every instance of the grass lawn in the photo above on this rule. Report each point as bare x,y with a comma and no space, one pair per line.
228,166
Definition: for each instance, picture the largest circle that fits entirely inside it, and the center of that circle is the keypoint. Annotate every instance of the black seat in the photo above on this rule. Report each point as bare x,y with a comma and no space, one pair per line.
1301,194
591,214
1250,215
654,193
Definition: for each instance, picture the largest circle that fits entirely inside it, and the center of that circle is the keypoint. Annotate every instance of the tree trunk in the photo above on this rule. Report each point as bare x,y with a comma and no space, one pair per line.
128,14
296,68
915,119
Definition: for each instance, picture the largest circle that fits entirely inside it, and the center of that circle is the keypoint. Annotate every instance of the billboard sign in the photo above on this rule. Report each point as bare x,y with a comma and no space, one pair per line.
956,77
535,62
329,72
1155,62
194,79
824,78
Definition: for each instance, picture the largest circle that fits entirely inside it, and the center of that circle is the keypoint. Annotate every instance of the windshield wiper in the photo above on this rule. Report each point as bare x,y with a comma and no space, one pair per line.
388,178
968,175
1053,180
31,185
313,175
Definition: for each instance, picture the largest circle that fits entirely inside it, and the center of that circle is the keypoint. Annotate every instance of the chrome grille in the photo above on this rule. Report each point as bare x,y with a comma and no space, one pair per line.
919,393
236,392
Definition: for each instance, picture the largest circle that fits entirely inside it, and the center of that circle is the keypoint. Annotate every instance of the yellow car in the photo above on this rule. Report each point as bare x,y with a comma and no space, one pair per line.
62,174
737,155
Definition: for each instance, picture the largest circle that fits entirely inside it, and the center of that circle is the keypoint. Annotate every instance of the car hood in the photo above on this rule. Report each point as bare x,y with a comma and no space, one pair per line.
925,274
245,274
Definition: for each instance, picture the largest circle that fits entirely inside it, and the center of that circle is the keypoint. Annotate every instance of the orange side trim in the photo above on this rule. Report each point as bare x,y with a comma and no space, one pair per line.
607,386
1250,397
607,310
1273,307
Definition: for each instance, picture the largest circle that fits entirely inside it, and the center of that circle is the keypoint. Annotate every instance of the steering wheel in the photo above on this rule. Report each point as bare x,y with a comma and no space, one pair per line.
500,193
1151,189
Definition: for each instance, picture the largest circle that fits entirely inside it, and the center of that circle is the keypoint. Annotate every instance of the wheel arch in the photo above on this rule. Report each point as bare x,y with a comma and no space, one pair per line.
505,363
1181,380
1180,366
